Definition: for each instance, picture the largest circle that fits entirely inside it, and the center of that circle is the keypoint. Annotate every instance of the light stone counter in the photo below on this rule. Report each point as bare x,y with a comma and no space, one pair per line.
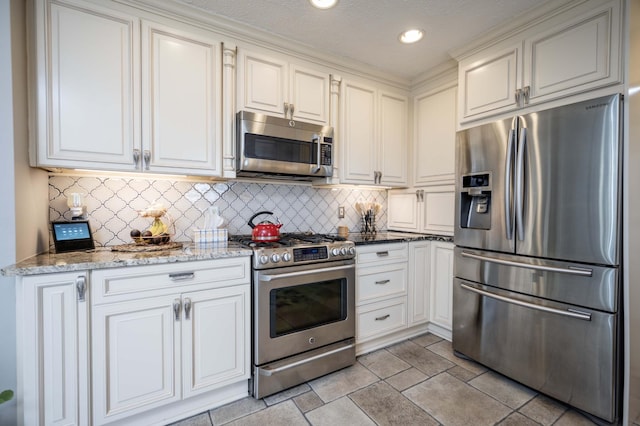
105,258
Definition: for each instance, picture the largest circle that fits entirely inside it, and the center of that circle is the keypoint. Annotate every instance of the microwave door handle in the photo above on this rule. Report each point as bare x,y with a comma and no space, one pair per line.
317,138
508,176
520,184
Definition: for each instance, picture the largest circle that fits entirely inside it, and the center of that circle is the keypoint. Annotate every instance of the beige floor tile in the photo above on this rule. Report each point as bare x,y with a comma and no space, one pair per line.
343,382
455,403
285,413
286,394
339,412
308,401
543,410
445,350
383,364
235,410
406,379
426,339
507,391
387,406
423,359
573,418
517,419
462,373
199,420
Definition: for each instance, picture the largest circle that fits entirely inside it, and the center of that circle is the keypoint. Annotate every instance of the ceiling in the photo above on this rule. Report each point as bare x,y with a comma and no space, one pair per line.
367,30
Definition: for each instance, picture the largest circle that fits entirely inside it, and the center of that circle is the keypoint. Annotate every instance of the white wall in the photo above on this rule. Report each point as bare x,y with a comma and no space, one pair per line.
23,191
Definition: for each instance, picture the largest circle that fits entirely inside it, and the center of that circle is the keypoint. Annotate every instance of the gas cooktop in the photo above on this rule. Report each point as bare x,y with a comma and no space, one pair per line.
297,249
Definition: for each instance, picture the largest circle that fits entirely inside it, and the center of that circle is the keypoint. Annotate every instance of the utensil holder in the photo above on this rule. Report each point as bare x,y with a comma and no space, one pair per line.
368,224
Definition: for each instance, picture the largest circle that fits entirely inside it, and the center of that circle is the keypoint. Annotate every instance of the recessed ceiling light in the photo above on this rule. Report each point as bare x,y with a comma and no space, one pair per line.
411,36
323,4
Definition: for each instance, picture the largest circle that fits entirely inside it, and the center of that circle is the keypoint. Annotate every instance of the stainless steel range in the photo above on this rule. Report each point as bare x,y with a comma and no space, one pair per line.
303,305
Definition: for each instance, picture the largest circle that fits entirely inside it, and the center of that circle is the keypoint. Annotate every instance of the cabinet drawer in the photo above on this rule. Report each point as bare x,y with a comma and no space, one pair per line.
378,319
119,284
382,253
381,282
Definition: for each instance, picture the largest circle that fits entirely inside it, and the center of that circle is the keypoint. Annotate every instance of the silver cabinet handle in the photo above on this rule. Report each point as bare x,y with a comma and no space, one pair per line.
81,287
584,272
382,282
568,313
525,94
507,184
136,158
517,96
292,108
382,253
177,307
522,148
187,308
382,318
286,109
182,276
418,195
146,157
301,273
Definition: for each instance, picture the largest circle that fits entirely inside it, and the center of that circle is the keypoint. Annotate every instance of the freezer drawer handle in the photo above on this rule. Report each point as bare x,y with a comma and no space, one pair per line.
568,313
271,371
584,272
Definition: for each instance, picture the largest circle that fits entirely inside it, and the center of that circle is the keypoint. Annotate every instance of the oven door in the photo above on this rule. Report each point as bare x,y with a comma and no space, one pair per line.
301,308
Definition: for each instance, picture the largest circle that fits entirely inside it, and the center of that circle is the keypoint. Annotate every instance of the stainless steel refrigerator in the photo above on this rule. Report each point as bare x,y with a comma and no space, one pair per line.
537,293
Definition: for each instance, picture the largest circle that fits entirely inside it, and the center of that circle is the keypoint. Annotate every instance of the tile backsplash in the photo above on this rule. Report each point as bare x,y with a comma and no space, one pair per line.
113,204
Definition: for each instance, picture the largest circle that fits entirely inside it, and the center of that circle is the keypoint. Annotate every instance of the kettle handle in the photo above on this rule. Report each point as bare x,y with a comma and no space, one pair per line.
251,224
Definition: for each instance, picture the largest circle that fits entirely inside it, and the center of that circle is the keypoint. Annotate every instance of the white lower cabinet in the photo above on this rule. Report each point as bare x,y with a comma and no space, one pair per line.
52,349
419,277
441,306
162,335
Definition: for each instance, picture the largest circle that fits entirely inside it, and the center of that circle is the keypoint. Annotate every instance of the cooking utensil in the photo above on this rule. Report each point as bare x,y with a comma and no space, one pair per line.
265,231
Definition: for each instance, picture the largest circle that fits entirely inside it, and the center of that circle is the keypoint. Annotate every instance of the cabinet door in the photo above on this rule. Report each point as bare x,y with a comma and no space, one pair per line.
88,87
262,83
419,274
403,210
586,48
441,284
215,338
136,357
438,210
358,135
182,114
52,344
488,81
309,95
435,137
393,152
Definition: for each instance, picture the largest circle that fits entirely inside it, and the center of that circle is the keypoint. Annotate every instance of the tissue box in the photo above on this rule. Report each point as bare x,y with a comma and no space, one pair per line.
210,236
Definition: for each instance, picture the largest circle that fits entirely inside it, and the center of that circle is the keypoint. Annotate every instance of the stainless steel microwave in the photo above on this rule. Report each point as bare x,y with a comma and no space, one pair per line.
270,146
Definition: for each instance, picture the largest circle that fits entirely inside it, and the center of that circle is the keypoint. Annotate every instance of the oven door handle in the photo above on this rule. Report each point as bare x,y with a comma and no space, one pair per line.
301,273
272,371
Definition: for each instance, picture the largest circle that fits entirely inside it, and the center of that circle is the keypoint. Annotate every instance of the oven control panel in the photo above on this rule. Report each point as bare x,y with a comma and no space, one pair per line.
264,258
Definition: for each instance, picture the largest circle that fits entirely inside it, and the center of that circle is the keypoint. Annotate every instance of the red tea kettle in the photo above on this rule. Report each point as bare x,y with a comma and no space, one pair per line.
265,231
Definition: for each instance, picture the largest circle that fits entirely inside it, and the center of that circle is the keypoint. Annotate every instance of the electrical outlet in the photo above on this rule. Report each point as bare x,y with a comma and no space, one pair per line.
341,212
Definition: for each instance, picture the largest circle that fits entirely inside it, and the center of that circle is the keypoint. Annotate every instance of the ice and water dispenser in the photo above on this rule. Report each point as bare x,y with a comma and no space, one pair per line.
475,201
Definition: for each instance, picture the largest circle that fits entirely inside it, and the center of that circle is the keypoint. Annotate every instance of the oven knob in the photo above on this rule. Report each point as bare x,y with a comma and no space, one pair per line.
335,251
352,251
343,251
286,257
264,259
275,258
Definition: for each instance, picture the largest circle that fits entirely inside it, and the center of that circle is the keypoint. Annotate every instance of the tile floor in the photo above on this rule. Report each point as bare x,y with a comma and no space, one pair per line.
415,382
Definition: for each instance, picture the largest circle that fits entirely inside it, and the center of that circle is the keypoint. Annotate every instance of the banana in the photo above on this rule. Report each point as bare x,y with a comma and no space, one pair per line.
158,227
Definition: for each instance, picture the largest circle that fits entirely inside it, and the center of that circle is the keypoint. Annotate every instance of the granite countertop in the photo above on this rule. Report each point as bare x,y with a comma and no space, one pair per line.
105,258
395,237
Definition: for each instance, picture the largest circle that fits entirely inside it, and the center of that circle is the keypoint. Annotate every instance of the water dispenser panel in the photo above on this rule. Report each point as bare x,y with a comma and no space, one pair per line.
475,200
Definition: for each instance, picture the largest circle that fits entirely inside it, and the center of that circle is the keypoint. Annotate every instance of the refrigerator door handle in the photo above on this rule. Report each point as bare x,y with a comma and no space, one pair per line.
568,313
508,184
584,272
520,183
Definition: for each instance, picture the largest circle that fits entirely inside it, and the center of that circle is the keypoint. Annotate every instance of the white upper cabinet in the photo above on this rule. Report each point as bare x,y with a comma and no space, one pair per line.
274,86
182,117
86,104
571,52
87,109
373,136
435,137
430,210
